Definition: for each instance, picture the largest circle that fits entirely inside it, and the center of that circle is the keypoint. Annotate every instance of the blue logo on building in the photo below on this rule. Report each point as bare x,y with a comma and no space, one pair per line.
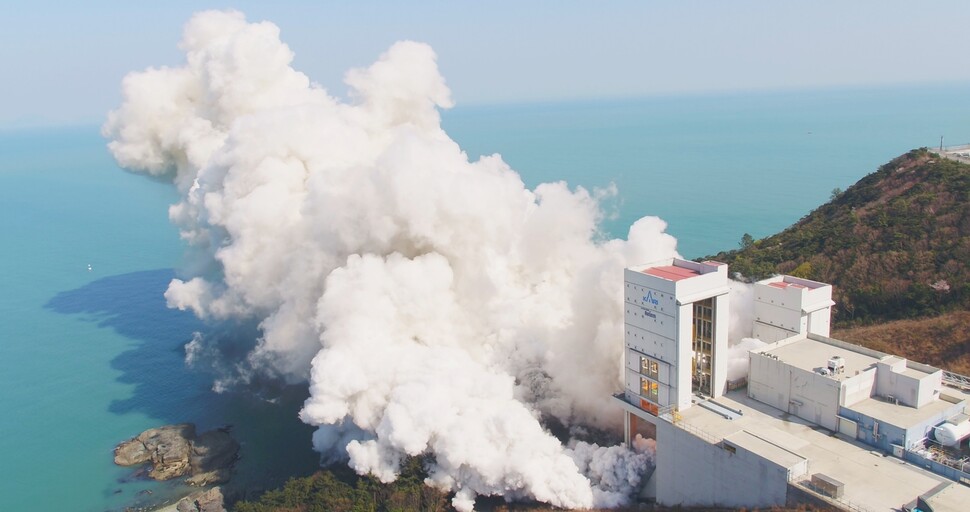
648,299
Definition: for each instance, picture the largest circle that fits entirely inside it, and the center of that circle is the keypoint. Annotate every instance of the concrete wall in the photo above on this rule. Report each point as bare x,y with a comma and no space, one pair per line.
693,472
887,434
650,317
915,389
858,387
722,312
685,322
874,432
659,312
712,277
768,382
797,309
936,467
820,322
803,393
664,373
779,316
815,398
769,333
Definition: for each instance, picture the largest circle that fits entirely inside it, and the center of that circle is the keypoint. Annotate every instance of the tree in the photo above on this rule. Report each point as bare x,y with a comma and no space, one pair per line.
746,241
836,192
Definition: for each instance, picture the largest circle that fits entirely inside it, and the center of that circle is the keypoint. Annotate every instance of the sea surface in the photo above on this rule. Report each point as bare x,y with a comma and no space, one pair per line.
91,357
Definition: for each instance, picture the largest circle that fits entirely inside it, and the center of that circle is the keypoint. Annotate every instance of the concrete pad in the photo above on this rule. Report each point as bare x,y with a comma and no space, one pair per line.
872,479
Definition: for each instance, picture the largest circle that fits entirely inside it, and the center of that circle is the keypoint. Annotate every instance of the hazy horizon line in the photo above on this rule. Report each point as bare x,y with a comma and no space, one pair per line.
40,123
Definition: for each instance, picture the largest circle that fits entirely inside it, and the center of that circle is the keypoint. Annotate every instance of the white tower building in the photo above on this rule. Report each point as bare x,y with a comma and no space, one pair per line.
785,306
676,329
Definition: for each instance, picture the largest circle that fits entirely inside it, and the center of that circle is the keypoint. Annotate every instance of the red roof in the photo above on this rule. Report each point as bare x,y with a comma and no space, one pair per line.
671,273
783,285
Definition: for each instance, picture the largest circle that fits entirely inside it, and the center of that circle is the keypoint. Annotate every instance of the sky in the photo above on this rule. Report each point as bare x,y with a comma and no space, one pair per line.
63,62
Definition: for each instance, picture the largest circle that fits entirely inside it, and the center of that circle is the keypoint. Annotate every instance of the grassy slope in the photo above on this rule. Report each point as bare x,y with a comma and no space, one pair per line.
942,341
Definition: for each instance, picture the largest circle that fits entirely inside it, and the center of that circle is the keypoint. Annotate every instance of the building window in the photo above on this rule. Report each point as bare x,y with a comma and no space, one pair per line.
649,367
650,390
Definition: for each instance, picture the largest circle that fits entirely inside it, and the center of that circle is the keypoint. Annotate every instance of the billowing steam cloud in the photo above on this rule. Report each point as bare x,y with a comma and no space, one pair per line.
435,304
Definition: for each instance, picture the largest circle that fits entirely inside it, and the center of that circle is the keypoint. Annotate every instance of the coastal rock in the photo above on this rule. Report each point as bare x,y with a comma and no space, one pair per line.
175,450
203,501
166,448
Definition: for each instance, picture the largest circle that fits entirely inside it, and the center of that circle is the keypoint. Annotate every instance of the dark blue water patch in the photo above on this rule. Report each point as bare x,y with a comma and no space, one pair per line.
263,412
132,304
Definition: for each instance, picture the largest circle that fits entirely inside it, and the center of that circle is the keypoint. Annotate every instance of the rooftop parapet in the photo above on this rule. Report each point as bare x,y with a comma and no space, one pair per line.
687,280
794,293
785,305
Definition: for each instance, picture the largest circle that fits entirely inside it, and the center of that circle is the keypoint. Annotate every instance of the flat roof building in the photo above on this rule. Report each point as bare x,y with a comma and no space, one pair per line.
818,420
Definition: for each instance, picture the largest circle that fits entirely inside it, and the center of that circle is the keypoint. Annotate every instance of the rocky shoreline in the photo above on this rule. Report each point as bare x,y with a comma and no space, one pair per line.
203,501
175,451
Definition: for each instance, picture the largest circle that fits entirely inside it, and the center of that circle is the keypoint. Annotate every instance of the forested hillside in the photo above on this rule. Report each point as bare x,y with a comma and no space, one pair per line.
895,245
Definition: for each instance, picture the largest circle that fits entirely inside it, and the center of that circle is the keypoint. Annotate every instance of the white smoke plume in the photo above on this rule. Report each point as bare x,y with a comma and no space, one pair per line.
434,304
741,323
740,327
738,359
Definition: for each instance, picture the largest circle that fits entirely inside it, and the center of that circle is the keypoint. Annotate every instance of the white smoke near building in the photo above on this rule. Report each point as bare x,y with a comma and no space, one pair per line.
738,359
434,304
742,311
740,326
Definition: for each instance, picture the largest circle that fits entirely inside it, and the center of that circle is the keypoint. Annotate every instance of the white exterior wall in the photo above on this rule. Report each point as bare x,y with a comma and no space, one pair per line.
797,309
768,381
858,387
820,322
693,472
779,316
769,333
684,351
929,388
818,396
658,317
664,373
803,393
722,313
650,329
913,391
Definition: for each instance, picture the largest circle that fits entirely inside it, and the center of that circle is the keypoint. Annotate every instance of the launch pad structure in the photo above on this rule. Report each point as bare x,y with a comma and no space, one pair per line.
817,420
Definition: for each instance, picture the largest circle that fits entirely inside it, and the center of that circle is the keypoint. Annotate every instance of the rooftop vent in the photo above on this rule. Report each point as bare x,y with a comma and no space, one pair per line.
836,364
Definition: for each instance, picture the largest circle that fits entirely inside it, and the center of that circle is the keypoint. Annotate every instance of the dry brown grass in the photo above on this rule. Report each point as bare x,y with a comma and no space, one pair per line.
942,341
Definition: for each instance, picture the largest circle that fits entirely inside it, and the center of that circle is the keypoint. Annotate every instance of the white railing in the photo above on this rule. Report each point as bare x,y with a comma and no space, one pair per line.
670,414
956,380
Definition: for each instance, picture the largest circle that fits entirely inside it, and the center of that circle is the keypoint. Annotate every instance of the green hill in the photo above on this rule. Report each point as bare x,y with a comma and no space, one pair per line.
895,245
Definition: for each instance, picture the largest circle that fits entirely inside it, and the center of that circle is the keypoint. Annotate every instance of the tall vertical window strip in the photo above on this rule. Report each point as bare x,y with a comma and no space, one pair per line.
703,345
649,367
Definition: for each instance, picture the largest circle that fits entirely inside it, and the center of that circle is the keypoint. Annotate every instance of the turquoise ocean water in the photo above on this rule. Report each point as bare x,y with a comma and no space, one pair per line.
89,358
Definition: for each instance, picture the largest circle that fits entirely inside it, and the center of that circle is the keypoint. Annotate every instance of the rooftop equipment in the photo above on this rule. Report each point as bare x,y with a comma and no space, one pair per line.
950,434
836,364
